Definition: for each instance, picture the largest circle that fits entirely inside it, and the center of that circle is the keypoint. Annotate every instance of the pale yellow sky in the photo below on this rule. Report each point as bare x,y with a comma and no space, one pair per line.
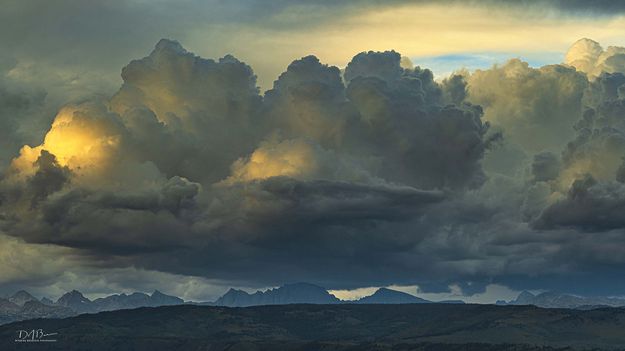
413,30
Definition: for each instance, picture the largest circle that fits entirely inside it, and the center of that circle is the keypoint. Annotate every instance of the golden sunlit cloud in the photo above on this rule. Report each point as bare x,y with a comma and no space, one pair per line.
292,158
82,139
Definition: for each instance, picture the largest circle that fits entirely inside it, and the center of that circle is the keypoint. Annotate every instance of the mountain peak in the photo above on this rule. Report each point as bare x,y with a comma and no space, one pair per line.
22,293
75,293
524,298
75,300
21,297
233,291
47,301
385,291
158,299
6,305
389,296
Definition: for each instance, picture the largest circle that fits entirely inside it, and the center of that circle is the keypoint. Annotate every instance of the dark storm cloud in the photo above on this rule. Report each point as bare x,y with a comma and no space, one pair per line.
318,170
599,6
107,222
606,7
308,100
391,115
406,126
202,110
382,65
335,233
49,178
589,206
87,30
455,89
21,107
610,86
579,7
373,177
595,199
546,166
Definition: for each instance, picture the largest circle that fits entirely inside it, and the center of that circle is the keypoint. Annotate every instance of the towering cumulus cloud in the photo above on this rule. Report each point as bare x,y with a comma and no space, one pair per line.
378,174
204,111
593,163
534,108
589,57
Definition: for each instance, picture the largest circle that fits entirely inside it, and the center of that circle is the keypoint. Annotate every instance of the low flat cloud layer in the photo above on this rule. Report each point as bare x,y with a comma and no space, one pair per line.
372,175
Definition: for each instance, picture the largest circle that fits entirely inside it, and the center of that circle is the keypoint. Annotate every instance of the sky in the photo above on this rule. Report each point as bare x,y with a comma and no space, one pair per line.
450,149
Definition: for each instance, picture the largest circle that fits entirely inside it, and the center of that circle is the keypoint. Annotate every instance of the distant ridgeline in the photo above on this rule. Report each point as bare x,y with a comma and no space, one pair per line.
555,300
22,305
309,293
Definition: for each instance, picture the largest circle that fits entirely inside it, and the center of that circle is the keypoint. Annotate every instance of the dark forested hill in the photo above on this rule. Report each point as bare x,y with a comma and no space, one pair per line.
331,327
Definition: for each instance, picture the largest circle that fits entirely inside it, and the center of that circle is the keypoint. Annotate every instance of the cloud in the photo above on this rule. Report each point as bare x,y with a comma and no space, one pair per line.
589,57
31,265
50,271
368,177
49,177
379,111
592,165
308,100
21,107
106,35
187,164
86,138
589,205
180,88
107,222
405,125
534,107
300,159
546,166
190,169
204,109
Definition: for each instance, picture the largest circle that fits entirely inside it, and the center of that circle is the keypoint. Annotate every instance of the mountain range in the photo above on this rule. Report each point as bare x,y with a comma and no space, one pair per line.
286,294
555,300
22,305
299,293
79,303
